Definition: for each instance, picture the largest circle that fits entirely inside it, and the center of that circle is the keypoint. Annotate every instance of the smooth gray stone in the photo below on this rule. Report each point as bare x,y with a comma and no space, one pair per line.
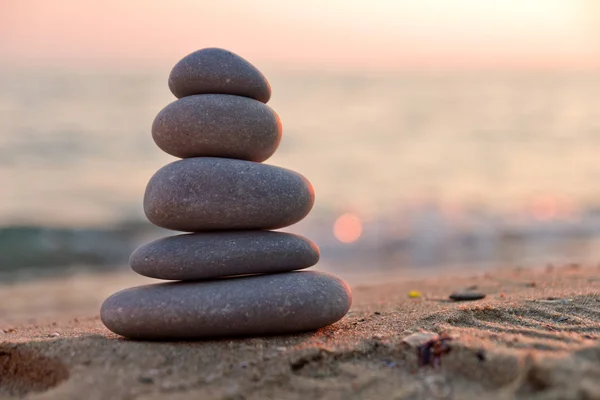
205,194
466,296
214,70
221,254
217,125
250,305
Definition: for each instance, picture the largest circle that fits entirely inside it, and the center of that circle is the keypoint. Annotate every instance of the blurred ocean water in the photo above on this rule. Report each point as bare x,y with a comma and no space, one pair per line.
76,149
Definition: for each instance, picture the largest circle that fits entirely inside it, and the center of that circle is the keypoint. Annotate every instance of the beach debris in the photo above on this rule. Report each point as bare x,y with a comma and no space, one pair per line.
415,294
54,334
466,296
418,338
554,300
430,347
430,353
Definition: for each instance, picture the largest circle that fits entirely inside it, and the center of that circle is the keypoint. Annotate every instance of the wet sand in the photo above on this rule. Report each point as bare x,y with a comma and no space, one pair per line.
535,336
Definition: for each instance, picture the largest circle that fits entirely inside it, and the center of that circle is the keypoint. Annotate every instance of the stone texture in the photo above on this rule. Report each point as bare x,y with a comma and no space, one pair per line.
253,305
205,193
220,254
217,125
214,70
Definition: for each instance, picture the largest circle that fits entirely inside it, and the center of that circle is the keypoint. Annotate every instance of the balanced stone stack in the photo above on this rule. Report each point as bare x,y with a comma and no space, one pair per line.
234,275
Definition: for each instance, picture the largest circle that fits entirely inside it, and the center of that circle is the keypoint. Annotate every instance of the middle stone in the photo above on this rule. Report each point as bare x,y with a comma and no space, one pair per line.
206,193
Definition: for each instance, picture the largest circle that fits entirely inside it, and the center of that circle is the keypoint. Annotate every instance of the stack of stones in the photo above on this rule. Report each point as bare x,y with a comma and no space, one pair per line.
234,275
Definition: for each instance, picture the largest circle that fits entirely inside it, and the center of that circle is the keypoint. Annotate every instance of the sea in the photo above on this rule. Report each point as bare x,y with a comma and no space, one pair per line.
428,162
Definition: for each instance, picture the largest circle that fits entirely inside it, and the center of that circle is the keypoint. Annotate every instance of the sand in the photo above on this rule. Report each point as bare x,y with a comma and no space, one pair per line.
514,344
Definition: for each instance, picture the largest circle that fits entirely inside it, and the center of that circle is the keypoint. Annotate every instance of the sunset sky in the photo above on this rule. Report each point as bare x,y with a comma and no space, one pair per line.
370,34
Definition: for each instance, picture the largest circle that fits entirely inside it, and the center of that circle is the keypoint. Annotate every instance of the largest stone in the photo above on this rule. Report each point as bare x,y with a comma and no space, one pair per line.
205,193
256,305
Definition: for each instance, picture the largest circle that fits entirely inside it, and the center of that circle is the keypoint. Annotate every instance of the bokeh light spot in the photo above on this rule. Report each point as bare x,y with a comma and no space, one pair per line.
347,228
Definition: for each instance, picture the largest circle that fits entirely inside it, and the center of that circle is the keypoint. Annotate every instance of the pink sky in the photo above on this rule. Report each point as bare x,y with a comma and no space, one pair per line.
371,34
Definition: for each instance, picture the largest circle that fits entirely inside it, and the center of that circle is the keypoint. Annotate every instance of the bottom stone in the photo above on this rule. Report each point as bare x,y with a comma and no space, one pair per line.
252,305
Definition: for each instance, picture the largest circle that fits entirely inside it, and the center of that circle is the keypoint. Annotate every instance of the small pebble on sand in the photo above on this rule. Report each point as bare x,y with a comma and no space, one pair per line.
467,296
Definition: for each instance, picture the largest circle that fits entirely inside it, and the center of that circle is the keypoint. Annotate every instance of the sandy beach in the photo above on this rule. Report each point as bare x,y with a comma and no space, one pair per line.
440,158
535,336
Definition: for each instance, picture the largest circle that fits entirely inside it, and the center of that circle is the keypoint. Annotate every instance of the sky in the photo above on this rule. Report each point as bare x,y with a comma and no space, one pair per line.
332,34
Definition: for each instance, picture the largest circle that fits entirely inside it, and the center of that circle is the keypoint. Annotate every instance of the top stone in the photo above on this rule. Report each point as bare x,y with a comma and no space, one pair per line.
218,71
